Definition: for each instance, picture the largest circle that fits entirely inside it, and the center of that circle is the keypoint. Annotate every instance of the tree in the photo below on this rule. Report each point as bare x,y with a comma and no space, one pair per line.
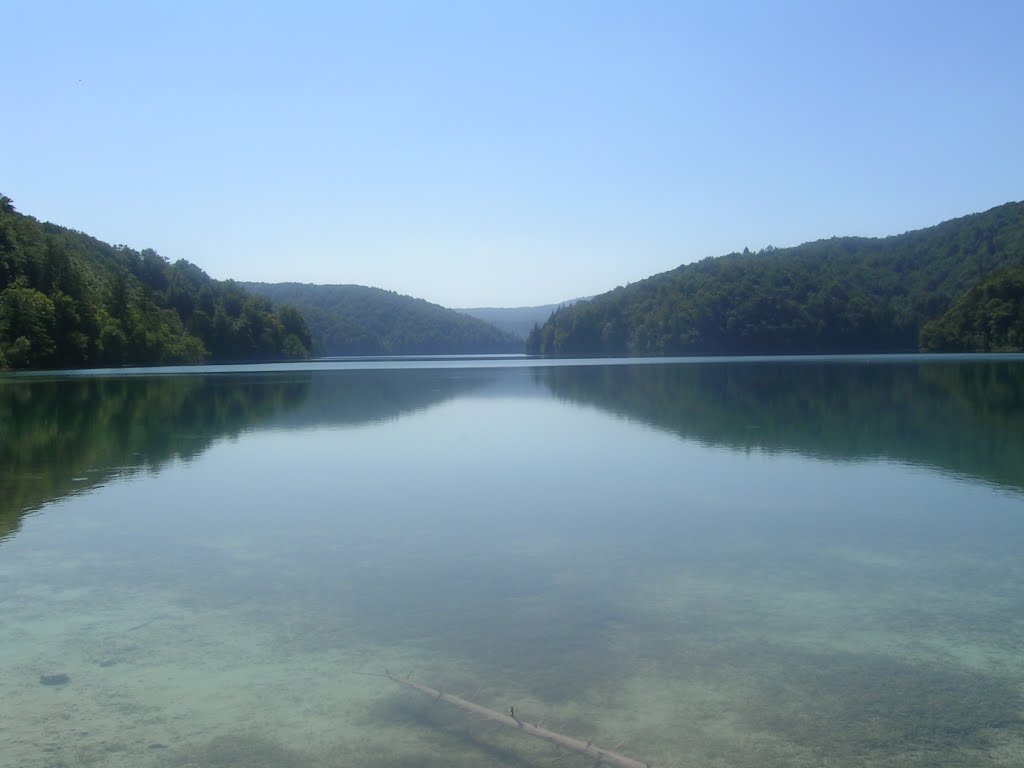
27,321
842,295
294,325
71,300
356,320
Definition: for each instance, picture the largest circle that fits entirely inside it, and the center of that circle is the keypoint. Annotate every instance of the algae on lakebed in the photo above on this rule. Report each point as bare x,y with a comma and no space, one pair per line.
860,705
240,750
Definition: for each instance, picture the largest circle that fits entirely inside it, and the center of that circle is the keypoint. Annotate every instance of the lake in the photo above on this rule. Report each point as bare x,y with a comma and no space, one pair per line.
731,563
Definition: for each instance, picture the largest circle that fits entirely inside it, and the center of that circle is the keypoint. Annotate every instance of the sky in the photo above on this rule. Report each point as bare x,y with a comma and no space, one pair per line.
504,153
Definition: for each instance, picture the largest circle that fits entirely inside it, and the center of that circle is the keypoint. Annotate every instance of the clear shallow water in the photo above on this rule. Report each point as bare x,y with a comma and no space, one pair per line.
807,562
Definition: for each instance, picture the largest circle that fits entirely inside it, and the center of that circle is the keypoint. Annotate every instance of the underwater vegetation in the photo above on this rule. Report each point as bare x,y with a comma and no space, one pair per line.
240,750
870,707
440,743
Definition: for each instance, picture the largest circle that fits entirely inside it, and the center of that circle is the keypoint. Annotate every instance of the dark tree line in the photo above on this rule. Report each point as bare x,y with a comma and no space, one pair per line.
357,320
68,300
842,295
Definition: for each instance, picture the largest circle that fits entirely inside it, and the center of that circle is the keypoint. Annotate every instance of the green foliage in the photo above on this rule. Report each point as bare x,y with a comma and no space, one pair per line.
28,319
68,300
356,320
841,295
988,318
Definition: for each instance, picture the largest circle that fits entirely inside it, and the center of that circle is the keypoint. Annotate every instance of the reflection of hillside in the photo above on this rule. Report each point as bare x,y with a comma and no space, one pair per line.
59,437
966,418
365,396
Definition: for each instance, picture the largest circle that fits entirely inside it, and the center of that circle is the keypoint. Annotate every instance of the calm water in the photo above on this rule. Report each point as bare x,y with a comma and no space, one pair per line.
731,563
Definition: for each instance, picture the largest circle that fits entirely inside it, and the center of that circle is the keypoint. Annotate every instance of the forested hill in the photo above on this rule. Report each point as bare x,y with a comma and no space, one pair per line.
68,300
846,294
356,320
988,318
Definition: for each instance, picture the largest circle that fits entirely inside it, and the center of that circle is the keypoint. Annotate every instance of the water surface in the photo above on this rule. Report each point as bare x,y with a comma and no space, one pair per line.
722,563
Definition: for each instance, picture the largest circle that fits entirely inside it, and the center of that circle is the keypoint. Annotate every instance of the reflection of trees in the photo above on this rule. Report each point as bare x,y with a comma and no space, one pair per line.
355,397
966,418
62,436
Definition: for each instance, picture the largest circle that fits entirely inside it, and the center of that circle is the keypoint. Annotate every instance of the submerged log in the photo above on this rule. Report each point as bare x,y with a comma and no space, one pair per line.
602,756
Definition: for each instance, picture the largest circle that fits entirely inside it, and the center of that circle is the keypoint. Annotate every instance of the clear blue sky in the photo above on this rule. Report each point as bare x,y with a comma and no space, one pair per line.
504,153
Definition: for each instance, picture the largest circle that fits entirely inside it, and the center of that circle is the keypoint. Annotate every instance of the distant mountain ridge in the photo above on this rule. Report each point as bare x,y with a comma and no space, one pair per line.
518,321
841,295
359,320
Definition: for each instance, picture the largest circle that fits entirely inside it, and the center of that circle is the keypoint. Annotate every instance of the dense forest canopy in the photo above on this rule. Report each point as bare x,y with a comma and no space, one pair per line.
988,318
356,320
841,295
68,300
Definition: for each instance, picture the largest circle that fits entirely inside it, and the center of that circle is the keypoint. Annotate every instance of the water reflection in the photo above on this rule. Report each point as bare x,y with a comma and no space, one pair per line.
61,436
65,435
726,564
962,417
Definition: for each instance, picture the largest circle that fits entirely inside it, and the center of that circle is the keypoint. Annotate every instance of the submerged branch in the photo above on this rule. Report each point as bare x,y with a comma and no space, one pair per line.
604,756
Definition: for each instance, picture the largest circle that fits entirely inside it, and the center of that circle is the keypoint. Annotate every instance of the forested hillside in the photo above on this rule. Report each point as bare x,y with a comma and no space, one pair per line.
988,318
68,300
356,320
845,294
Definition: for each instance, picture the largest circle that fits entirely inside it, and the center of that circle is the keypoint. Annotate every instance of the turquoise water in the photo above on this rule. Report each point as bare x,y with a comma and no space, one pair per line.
714,563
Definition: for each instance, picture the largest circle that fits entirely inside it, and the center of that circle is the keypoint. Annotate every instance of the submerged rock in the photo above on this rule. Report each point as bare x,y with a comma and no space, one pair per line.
58,679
